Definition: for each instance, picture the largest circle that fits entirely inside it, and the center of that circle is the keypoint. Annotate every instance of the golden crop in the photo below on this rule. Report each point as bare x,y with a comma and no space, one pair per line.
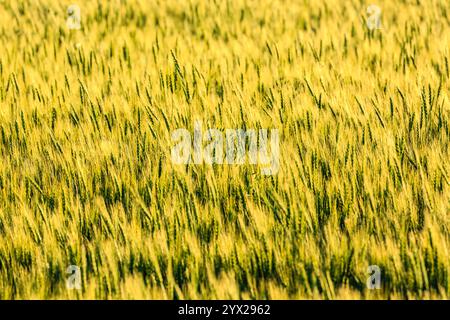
86,176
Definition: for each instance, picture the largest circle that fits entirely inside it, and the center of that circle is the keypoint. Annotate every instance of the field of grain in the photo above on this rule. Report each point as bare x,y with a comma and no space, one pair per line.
86,176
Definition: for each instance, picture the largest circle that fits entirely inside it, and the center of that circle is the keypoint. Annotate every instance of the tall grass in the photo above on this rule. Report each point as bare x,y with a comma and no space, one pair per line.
86,177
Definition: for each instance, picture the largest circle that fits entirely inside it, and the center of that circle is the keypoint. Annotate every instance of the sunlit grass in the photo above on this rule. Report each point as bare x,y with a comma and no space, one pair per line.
86,176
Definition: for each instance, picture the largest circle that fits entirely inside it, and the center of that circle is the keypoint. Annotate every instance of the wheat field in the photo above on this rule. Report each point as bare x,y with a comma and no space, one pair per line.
86,177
